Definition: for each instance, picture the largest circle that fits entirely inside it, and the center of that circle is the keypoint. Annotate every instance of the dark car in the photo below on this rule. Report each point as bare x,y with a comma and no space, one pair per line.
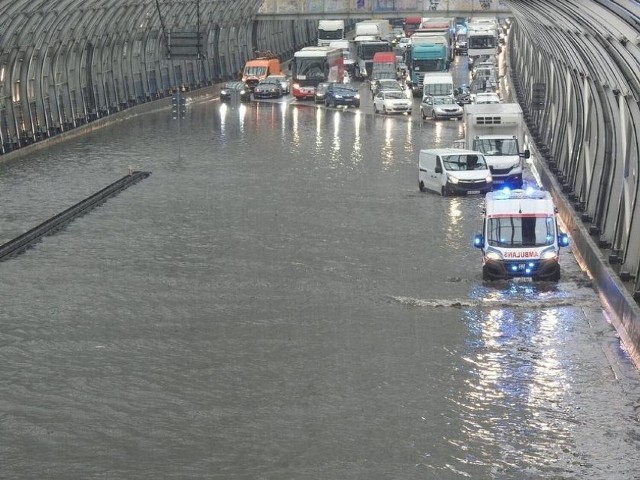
319,94
341,94
268,88
235,90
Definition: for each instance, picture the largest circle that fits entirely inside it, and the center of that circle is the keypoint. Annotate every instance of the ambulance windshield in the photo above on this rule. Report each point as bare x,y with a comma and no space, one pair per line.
521,231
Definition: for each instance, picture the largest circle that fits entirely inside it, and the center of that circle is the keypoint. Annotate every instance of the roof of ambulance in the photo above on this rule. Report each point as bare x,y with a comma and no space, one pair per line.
519,202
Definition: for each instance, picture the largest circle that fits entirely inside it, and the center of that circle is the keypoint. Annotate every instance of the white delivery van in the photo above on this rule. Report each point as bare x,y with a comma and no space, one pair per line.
437,84
450,171
520,236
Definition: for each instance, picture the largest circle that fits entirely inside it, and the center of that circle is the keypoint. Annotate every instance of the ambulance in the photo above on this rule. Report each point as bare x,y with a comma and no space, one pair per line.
520,236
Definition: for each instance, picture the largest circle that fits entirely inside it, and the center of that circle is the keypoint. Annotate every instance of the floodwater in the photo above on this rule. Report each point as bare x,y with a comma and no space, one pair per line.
278,300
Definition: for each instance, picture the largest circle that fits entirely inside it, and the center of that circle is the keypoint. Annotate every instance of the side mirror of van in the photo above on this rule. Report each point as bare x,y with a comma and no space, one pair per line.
438,168
478,240
563,240
526,154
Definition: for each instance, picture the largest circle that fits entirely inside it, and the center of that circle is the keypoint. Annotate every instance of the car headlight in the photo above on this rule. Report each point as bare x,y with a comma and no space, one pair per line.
452,179
223,92
489,179
356,96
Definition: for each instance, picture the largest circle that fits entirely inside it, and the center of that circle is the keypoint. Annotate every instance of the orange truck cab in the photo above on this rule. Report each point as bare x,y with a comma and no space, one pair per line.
258,69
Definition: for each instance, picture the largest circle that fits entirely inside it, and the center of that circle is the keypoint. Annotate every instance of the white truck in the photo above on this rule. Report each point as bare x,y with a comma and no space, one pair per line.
329,31
520,236
482,41
372,30
497,130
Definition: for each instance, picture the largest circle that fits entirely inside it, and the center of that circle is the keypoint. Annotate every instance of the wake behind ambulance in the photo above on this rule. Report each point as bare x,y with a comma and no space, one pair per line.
520,236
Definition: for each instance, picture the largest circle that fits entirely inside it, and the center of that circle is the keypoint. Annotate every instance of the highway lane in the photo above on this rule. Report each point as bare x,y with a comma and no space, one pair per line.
279,300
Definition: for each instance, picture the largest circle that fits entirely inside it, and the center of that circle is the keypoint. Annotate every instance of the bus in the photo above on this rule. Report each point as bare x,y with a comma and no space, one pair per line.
313,65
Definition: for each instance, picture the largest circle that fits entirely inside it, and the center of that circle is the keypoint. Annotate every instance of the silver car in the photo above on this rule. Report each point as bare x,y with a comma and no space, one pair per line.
391,101
440,107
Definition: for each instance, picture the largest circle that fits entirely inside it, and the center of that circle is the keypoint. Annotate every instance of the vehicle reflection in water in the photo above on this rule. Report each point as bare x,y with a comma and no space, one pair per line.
242,111
516,382
295,125
229,112
284,110
356,156
335,155
320,128
436,133
454,217
223,119
408,140
387,147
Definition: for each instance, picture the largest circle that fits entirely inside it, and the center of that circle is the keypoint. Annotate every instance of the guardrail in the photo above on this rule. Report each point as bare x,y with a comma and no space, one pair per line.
57,222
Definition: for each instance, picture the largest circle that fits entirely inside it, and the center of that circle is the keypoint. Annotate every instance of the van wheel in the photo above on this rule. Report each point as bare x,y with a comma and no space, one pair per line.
375,108
424,115
433,115
421,186
444,192
384,110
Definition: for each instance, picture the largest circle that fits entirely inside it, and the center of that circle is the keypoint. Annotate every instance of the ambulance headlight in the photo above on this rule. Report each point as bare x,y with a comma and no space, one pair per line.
489,179
550,254
493,254
452,179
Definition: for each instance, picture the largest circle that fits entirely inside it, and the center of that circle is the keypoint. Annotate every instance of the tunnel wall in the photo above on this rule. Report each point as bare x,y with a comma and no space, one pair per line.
574,65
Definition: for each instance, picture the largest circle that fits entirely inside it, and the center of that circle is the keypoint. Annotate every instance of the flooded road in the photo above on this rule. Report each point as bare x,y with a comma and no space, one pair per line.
278,300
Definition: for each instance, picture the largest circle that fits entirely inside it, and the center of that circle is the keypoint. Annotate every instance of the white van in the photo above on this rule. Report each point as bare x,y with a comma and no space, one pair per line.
520,236
437,84
450,171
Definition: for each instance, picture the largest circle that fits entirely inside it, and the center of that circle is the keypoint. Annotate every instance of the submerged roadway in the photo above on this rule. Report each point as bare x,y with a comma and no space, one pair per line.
280,301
